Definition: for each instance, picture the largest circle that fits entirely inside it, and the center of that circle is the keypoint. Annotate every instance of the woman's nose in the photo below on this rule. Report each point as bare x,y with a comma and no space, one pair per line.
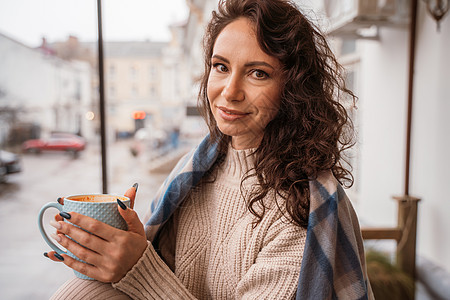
232,91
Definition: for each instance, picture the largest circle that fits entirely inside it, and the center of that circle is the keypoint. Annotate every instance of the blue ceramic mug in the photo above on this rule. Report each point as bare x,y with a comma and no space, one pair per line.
102,207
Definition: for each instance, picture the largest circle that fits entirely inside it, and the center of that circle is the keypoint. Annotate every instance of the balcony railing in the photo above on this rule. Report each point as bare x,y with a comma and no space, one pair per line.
404,234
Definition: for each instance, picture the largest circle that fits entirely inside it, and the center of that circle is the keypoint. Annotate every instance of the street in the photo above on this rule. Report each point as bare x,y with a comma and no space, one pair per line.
24,272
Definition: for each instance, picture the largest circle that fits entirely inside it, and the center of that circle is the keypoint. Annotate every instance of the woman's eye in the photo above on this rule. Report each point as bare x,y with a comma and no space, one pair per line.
260,74
220,67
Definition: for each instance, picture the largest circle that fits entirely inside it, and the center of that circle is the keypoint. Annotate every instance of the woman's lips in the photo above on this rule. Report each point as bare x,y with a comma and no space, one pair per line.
230,114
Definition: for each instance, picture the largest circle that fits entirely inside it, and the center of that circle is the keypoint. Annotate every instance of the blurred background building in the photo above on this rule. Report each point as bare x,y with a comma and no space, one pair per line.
40,92
144,81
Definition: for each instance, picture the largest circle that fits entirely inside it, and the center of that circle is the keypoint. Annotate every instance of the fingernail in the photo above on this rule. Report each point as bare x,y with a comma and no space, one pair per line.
46,254
55,224
65,215
56,237
59,257
121,204
136,185
59,200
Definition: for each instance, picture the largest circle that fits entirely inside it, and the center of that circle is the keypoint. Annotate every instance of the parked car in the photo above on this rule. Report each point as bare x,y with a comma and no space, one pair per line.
56,142
9,163
2,173
148,139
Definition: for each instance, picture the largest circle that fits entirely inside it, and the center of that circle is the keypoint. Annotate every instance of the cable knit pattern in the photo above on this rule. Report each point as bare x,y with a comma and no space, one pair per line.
218,252
81,289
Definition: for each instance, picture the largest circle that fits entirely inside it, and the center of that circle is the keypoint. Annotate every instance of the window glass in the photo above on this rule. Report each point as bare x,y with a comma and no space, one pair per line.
50,115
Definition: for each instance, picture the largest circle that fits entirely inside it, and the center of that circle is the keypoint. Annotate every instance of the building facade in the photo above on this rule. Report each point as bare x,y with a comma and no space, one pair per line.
145,82
41,90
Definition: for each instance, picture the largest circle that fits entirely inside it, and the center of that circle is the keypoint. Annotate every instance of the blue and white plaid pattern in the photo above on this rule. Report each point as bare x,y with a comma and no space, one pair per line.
333,265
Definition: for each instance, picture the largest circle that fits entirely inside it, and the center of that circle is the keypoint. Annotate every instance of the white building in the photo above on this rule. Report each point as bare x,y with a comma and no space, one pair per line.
144,77
43,90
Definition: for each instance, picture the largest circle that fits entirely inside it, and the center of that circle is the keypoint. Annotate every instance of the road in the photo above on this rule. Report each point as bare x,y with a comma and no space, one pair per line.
24,272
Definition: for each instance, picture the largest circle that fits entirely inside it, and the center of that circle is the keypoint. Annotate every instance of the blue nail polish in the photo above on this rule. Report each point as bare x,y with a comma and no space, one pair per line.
45,254
121,204
65,215
59,257
136,185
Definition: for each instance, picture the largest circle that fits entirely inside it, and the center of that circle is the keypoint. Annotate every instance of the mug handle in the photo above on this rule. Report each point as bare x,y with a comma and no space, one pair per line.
41,225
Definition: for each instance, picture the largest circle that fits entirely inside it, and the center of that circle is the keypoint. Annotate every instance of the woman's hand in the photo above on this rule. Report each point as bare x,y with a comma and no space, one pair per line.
110,253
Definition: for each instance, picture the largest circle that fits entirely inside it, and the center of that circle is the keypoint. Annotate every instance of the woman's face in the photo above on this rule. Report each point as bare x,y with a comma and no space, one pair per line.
243,86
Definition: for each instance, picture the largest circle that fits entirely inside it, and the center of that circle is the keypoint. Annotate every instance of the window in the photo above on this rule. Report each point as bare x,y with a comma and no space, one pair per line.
133,73
112,91
134,91
112,72
152,91
53,85
152,72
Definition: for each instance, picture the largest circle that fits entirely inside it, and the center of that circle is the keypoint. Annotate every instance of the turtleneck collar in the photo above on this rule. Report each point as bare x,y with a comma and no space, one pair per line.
238,162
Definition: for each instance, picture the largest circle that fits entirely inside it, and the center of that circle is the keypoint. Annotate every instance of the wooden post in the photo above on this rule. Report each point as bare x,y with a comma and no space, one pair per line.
404,234
407,222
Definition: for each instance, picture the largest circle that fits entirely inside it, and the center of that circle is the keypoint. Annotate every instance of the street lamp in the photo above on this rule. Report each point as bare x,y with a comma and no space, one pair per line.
437,9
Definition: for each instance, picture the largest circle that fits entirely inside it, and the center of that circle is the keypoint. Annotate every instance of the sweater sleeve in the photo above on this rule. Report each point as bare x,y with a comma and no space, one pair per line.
151,278
275,273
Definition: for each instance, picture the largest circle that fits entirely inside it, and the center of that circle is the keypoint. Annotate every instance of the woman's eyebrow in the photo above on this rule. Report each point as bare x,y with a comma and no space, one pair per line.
249,64
217,56
259,63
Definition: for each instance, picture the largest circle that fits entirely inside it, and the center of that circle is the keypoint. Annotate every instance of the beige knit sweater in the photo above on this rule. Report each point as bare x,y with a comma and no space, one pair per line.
211,248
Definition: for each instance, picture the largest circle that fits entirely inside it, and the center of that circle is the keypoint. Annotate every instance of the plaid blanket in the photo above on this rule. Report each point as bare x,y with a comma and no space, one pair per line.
333,265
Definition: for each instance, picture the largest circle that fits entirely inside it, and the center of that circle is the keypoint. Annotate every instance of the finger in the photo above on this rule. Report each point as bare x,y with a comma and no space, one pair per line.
58,218
83,268
130,216
131,193
83,253
51,256
55,223
98,231
78,237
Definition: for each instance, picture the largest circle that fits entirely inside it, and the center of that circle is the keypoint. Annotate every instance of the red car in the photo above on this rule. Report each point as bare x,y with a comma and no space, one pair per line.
57,142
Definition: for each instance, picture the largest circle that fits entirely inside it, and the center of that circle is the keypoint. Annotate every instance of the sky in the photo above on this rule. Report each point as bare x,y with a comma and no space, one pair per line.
27,21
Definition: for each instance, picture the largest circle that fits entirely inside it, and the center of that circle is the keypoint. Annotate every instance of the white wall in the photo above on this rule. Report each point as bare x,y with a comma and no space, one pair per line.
382,113
383,104
25,76
40,83
430,166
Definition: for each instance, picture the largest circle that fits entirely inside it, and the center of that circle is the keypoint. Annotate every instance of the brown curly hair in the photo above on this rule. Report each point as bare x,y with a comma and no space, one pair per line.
312,127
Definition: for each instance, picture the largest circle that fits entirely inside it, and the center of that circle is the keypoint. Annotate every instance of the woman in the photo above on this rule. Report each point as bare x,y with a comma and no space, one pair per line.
257,210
